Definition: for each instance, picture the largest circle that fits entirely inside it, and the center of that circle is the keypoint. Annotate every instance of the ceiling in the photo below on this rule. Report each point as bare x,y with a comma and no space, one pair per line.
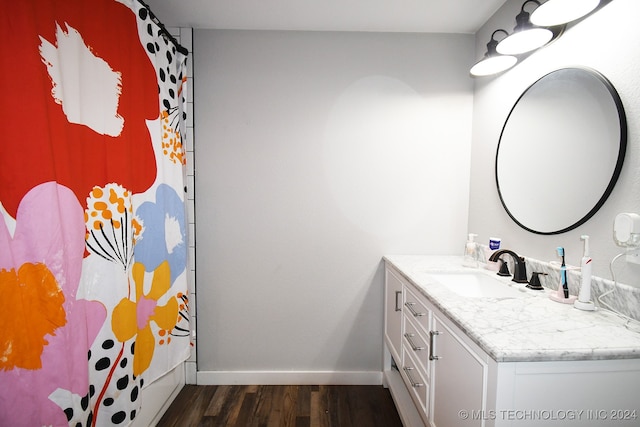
431,16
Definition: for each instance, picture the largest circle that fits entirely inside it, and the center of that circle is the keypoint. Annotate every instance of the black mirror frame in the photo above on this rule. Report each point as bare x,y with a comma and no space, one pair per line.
617,170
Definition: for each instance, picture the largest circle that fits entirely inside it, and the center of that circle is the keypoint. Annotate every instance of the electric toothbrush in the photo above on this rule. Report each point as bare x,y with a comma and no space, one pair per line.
584,296
563,273
562,295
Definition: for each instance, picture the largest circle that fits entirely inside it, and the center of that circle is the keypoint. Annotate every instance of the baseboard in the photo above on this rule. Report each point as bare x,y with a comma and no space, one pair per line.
289,377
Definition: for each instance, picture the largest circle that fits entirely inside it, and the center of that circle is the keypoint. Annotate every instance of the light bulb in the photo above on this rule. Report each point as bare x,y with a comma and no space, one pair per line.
524,41
493,65
557,12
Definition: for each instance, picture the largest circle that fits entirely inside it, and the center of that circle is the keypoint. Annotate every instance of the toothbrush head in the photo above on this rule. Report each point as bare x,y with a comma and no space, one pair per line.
560,251
585,239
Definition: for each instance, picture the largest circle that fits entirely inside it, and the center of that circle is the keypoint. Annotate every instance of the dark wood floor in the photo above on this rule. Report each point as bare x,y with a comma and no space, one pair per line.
275,406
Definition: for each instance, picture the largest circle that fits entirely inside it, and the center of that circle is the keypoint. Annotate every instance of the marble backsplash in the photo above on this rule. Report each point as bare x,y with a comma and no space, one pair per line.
624,299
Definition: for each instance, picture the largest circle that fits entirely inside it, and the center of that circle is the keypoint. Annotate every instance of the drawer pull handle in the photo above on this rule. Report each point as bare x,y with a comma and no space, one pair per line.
432,345
412,310
414,384
398,293
408,336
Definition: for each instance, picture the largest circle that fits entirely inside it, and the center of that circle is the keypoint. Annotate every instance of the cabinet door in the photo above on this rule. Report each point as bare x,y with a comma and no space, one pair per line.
393,314
459,379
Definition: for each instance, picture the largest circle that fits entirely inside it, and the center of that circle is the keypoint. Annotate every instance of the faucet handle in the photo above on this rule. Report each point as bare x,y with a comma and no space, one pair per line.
504,268
534,283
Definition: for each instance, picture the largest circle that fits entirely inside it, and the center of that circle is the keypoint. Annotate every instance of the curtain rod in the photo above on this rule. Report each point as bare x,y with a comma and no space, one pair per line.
163,29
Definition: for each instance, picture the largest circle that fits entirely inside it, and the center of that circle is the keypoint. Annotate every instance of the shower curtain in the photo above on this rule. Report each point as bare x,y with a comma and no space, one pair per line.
93,242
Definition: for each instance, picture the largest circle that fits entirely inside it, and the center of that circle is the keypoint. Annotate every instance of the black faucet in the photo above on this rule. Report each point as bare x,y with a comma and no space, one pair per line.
520,268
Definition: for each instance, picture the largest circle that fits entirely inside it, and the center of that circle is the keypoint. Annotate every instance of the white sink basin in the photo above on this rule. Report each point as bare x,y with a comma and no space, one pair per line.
477,285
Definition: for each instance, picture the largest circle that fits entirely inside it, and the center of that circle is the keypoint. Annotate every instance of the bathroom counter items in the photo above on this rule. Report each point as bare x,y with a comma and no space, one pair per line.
530,327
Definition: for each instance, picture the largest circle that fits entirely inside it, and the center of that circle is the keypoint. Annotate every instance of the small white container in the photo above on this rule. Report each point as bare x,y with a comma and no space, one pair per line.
494,245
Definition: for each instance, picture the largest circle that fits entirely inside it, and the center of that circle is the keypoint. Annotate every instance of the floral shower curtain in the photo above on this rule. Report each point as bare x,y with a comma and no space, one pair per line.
93,242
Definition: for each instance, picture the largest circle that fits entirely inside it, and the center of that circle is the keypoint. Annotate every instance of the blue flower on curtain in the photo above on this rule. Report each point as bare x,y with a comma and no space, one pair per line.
165,235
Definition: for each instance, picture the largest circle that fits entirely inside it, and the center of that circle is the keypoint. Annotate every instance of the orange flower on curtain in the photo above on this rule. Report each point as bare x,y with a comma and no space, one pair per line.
133,318
34,310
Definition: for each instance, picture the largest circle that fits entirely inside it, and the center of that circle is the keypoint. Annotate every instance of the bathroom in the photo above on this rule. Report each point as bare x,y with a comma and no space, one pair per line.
316,153
297,202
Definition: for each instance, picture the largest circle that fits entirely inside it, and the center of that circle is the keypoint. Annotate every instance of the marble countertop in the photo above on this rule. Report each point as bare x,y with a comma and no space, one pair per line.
530,327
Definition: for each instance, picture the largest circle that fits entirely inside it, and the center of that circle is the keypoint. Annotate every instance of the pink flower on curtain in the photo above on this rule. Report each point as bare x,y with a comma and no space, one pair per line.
42,256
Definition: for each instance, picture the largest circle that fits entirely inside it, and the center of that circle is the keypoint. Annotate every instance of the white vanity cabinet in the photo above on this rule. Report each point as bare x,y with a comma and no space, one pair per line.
441,370
440,377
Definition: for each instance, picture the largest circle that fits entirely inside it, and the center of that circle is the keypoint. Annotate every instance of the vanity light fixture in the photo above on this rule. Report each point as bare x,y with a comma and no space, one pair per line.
558,12
526,36
493,62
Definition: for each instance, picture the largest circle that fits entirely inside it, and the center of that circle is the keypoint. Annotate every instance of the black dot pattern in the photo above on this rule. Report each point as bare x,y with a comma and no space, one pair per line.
123,382
102,364
170,62
119,417
84,403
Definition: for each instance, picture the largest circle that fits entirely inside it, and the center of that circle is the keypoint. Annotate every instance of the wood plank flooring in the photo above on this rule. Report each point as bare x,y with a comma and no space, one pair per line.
282,406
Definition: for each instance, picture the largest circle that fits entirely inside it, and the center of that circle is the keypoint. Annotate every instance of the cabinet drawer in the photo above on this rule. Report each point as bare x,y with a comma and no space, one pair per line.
417,310
417,385
417,344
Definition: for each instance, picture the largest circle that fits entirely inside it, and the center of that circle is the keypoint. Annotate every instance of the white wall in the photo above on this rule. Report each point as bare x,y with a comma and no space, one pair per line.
606,41
318,153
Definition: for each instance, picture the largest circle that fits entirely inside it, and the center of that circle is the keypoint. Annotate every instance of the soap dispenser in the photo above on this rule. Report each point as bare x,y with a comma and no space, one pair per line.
470,257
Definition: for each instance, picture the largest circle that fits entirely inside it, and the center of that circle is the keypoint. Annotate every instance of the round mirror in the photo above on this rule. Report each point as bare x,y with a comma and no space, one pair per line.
561,150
